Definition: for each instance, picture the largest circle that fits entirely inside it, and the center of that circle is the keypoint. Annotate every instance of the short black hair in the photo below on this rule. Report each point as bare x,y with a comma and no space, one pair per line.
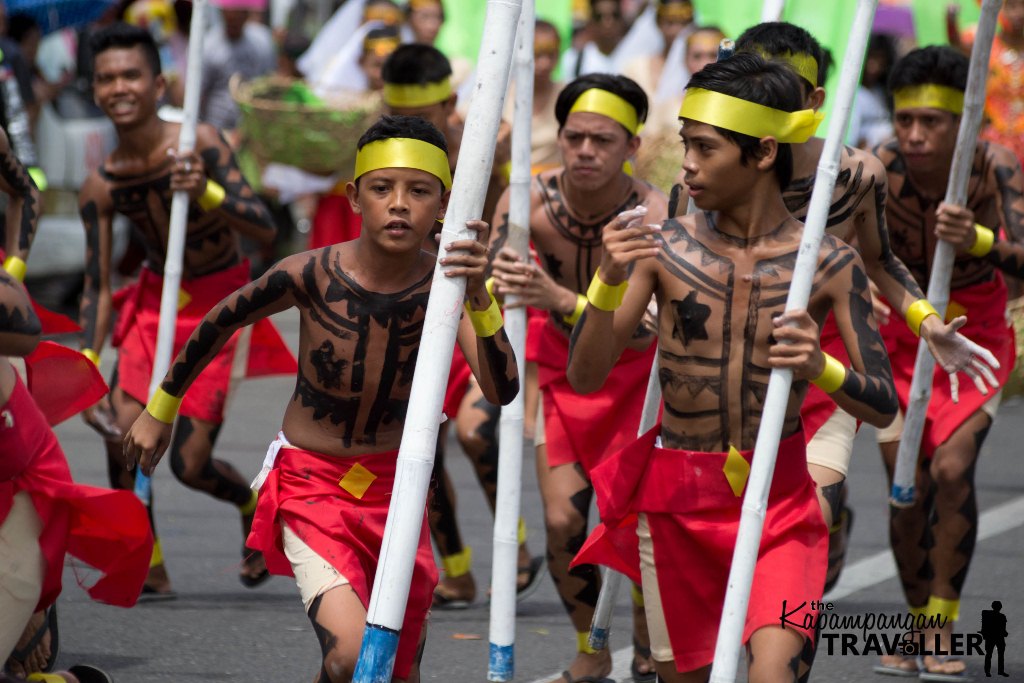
932,64
750,77
399,126
624,87
126,36
20,25
414,64
782,37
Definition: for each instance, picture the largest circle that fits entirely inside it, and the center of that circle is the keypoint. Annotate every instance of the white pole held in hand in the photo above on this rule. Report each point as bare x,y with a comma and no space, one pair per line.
416,452
902,494
755,500
501,661
178,225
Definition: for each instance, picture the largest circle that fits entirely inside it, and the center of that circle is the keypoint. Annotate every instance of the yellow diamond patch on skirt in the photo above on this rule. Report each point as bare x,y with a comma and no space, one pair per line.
736,469
184,299
357,480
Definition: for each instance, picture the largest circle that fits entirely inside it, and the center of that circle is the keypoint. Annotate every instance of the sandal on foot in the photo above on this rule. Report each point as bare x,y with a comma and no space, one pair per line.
449,602
251,581
48,626
534,573
585,679
927,675
90,674
905,669
150,594
634,666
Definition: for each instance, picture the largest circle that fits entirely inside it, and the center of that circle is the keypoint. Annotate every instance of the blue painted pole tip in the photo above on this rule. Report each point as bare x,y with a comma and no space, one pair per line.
901,496
598,638
376,655
502,664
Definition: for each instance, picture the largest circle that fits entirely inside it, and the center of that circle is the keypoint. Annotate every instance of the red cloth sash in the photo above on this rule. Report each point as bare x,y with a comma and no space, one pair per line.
62,381
52,323
584,428
136,332
818,406
694,517
302,490
107,530
985,308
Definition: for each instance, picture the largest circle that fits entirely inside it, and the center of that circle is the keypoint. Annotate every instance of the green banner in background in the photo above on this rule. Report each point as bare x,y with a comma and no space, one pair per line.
464,24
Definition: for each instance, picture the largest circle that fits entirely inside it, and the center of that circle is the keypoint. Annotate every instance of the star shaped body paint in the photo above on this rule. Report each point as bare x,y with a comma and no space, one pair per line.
691,316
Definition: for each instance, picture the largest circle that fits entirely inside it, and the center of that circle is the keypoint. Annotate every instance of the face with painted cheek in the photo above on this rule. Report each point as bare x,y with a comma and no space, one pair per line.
399,206
594,147
713,170
436,114
926,137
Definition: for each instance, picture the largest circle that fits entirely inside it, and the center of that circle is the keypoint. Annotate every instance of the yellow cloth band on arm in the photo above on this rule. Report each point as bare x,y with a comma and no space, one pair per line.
748,118
92,355
598,101
581,305
15,267
38,176
583,643
603,296
163,406
805,66
929,96
486,323
407,95
212,197
983,241
831,377
404,153
458,564
917,312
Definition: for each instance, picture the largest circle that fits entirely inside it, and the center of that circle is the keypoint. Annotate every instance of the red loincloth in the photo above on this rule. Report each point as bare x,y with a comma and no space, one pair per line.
985,308
62,381
302,490
334,221
107,530
694,516
52,323
136,332
818,406
584,428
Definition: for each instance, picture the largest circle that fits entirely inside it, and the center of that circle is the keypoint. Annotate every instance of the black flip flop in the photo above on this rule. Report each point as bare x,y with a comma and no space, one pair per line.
150,594
253,581
634,666
585,679
49,625
90,674
535,571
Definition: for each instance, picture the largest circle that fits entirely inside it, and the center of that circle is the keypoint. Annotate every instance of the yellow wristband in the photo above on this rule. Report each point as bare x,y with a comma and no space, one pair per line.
581,305
486,323
917,312
212,197
15,267
831,377
163,406
983,241
92,355
603,296
489,286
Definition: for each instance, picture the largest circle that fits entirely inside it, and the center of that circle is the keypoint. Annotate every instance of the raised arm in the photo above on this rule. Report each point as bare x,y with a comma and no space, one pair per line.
19,326
628,246
278,289
23,203
97,212
212,178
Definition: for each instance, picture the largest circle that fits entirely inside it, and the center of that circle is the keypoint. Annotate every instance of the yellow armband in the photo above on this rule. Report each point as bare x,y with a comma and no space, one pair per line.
92,355
486,323
212,197
983,241
918,311
831,377
603,296
15,267
581,305
489,286
163,406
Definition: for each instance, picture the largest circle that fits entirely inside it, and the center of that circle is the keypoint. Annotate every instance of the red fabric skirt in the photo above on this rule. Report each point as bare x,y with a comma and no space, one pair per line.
985,308
136,333
107,530
584,428
694,517
62,381
52,323
302,490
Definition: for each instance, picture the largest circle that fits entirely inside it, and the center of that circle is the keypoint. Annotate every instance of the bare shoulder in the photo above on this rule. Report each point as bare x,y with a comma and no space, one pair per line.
95,190
208,136
1000,160
854,156
887,152
835,255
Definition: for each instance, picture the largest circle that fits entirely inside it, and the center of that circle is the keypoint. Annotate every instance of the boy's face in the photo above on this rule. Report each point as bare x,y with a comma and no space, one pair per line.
927,137
425,22
124,86
701,50
593,148
399,206
372,64
436,114
713,169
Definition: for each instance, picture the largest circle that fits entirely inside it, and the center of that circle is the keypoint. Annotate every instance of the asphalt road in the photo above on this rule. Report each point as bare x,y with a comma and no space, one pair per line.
217,630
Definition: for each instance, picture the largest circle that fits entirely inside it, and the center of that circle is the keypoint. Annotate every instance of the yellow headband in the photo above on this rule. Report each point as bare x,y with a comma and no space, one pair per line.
419,4
404,153
597,101
806,66
390,15
748,118
381,47
413,95
931,96
679,11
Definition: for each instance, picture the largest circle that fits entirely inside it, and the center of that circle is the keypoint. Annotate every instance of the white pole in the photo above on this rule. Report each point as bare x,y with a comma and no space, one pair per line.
178,224
416,452
501,661
772,10
755,501
902,494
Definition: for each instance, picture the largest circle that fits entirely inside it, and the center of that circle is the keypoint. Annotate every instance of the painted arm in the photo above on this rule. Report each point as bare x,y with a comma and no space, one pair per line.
23,204
97,214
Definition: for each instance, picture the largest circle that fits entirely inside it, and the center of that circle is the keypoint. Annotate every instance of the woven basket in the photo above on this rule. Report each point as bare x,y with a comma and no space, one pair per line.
318,137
